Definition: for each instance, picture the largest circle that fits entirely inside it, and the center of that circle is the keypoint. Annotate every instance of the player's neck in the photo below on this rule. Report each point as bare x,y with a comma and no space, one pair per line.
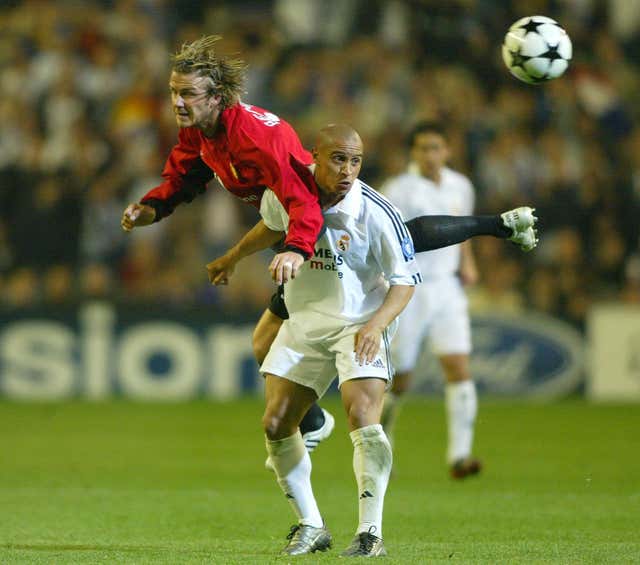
434,176
329,200
210,131
212,126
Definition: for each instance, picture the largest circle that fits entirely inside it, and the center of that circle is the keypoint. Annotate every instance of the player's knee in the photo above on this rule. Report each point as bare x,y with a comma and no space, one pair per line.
455,368
273,425
361,413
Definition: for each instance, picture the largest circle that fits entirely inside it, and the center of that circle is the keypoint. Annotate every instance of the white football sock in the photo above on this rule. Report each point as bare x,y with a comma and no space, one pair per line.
462,406
292,465
372,459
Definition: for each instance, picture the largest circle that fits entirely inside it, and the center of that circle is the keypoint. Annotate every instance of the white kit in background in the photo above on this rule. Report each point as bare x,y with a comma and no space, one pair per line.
439,307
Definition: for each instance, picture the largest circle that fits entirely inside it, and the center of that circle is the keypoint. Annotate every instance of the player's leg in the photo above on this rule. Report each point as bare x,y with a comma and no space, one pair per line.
317,424
393,400
433,232
462,407
372,459
264,333
406,347
362,388
309,373
362,399
450,336
286,404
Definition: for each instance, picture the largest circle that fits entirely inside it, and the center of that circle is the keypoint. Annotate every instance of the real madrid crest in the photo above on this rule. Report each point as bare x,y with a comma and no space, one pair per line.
343,242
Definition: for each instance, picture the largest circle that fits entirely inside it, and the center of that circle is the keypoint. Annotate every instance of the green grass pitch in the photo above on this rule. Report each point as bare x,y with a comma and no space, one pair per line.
142,483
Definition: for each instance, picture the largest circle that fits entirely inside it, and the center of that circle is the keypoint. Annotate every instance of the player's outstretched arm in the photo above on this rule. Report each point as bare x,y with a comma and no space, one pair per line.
367,341
258,238
137,215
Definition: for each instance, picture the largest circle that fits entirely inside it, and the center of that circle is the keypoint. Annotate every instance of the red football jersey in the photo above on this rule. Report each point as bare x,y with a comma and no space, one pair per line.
253,150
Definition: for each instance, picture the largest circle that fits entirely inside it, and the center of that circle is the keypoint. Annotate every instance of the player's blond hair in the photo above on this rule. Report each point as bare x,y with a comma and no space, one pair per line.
227,75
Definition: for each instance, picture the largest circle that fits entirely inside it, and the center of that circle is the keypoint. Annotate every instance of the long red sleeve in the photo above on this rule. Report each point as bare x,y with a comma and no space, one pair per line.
253,150
185,174
293,184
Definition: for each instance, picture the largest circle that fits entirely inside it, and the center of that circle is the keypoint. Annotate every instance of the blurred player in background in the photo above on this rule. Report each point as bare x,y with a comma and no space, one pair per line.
246,149
439,309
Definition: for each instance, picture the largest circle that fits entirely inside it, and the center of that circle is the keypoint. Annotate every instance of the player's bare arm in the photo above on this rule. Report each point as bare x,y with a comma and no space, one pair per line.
468,270
367,340
137,215
258,238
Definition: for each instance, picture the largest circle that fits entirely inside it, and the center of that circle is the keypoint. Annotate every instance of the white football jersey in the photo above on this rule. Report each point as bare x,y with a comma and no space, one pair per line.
415,195
363,247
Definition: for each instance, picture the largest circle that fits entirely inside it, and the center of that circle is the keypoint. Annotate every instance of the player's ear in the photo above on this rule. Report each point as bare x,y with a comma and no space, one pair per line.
314,153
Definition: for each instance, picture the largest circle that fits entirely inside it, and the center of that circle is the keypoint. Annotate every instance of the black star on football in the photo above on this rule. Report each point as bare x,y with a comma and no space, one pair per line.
551,53
518,60
531,26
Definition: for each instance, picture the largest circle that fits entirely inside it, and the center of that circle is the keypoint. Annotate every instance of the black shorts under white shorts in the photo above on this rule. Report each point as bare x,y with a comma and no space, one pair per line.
277,305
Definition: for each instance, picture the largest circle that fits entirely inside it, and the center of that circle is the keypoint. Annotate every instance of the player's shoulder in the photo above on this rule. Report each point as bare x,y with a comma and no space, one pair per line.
378,209
402,182
457,178
251,118
384,221
251,126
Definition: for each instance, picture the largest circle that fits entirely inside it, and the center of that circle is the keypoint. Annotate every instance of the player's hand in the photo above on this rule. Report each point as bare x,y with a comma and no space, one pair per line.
367,343
221,269
136,215
285,266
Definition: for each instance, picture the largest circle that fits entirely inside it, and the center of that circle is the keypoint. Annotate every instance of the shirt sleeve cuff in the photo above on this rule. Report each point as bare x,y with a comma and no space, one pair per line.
294,249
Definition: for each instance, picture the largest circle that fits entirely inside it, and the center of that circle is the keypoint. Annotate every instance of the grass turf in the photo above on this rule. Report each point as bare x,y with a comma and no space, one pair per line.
136,483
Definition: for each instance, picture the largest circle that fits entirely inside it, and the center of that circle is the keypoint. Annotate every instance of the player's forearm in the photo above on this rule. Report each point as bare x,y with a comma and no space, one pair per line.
395,302
165,201
467,260
186,176
258,238
305,223
296,190
467,270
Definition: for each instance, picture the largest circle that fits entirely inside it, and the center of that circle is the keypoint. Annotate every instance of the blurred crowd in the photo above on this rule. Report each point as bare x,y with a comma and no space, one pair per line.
86,124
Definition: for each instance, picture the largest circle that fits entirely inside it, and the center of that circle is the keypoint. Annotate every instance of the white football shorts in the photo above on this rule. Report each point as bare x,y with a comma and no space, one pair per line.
315,363
439,313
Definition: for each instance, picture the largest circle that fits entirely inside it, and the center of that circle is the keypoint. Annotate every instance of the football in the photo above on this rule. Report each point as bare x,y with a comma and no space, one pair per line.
536,49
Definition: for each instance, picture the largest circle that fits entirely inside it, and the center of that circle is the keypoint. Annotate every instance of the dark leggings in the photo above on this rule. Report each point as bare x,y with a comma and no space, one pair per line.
433,232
